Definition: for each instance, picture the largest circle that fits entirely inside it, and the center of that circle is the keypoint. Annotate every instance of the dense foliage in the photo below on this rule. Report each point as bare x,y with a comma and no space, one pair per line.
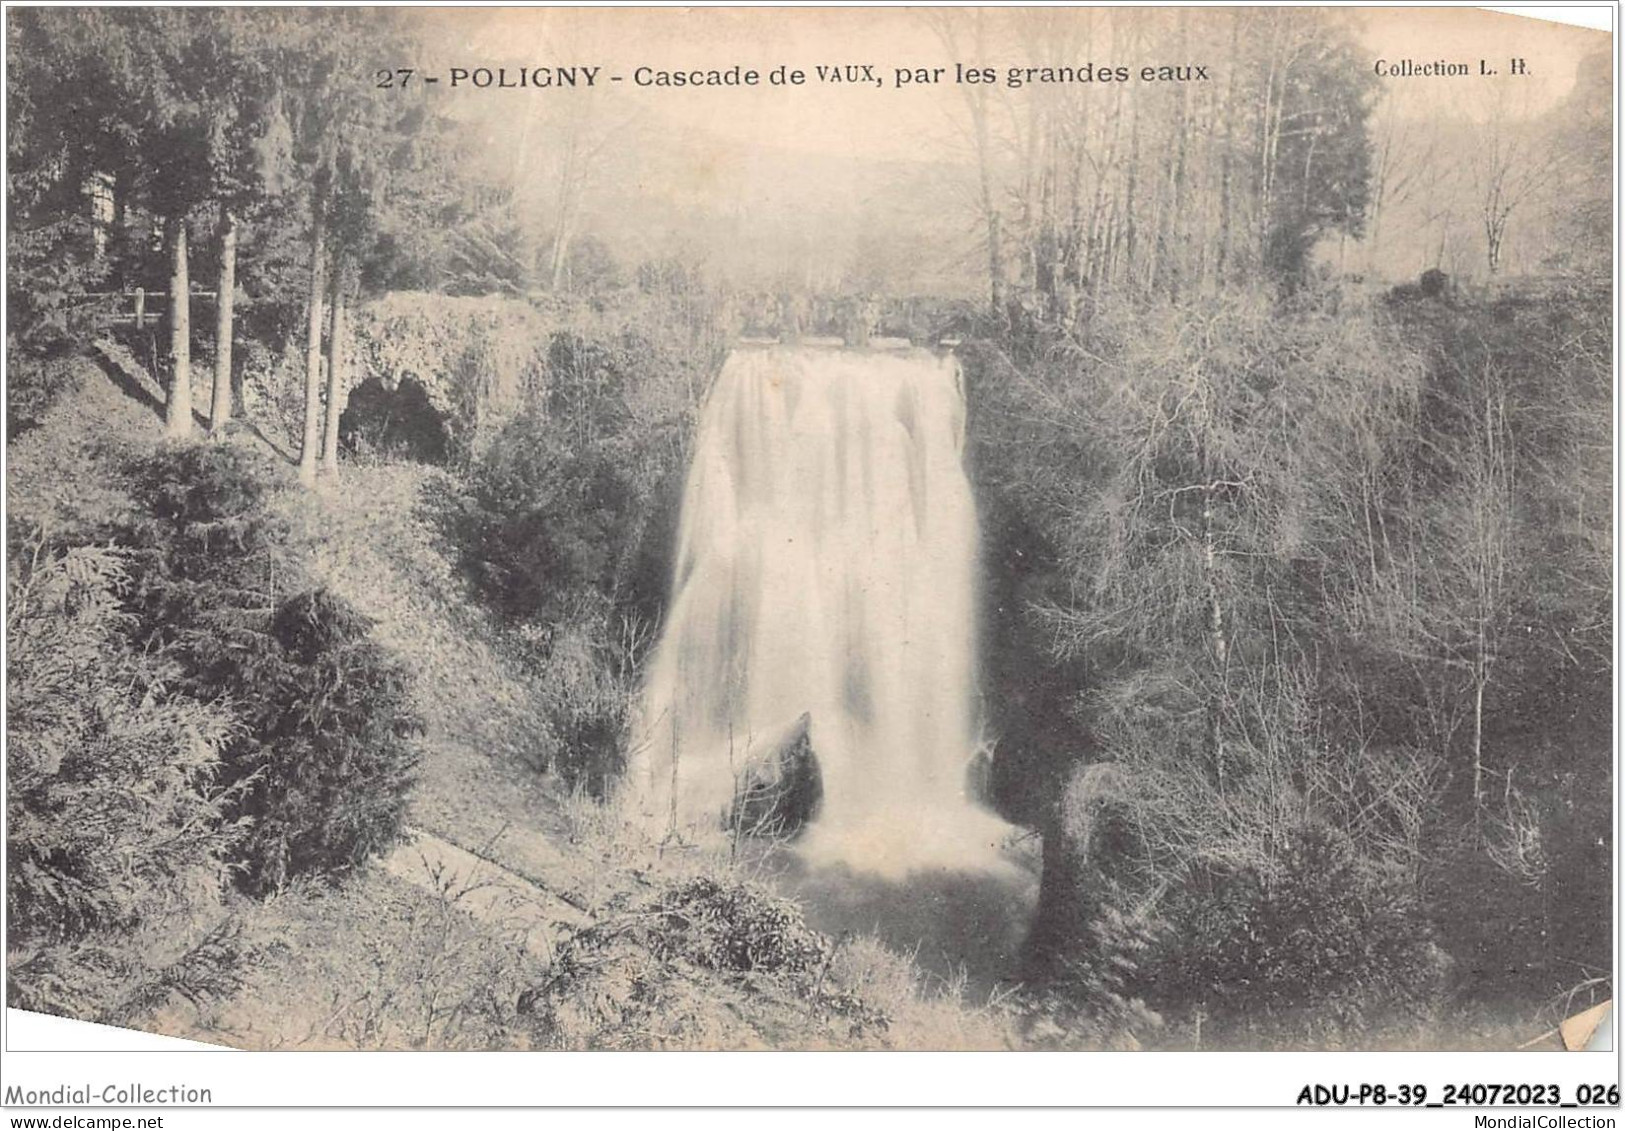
153,144
329,770
321,763
564,519
114,804
1318,957
119,824
649,975
1303,572
545,518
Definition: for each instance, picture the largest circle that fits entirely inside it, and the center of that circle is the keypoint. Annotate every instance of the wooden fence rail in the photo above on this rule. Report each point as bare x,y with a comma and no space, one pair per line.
141,302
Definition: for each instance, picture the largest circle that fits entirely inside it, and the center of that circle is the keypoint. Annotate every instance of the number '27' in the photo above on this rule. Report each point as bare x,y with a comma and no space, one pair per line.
399,77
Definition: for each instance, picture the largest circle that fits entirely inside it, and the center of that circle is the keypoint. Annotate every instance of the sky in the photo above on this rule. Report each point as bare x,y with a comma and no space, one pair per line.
861,121
1552,52
795,171
868,122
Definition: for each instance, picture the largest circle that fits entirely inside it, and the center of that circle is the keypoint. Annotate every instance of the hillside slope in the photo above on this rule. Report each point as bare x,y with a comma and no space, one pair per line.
517,915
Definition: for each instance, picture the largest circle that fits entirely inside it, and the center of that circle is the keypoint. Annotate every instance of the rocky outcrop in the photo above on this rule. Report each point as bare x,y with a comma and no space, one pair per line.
473,356
780,788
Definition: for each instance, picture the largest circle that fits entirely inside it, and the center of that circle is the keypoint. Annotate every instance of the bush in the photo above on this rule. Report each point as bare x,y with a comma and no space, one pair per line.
737,927
391,962
701,963
49,323
1317,956
208,546
33,385
326,760
586,666
561,497
564,517
1085,979
117,816
541,521
322,762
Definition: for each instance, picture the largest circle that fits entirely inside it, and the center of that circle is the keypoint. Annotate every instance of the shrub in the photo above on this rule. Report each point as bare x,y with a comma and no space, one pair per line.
1089,994
397,962
117,816
49,322
702,963
1317,956
326,759
33,385
560,523
733,926
565,483
586,665
541,520
322,761
208,546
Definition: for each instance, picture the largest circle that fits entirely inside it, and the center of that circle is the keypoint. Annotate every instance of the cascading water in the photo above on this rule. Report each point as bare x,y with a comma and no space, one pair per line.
826,568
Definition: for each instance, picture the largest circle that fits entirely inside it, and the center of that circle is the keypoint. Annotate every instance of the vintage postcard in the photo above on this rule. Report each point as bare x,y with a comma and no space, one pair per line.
937,529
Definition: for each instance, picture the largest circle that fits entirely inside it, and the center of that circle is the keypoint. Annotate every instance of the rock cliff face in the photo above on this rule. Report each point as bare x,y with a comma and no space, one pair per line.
596,369
474,357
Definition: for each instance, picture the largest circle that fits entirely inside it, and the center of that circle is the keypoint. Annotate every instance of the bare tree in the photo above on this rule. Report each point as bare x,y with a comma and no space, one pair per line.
561,155
1406,165
1468,550
1509,164
1488,517
978,97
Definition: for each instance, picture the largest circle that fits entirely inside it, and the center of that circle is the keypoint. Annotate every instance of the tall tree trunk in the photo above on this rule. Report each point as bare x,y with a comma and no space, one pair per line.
1132,193
178,418
1227,112
220,403
976,98
1130,223
1172,244
1480,679
1379,193
1218,635
995,266
335,376
1269,119
990,211
1493,233
313,353
121,225
559,260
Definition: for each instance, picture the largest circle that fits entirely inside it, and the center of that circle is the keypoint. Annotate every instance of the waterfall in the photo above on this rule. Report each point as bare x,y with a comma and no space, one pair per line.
825,579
